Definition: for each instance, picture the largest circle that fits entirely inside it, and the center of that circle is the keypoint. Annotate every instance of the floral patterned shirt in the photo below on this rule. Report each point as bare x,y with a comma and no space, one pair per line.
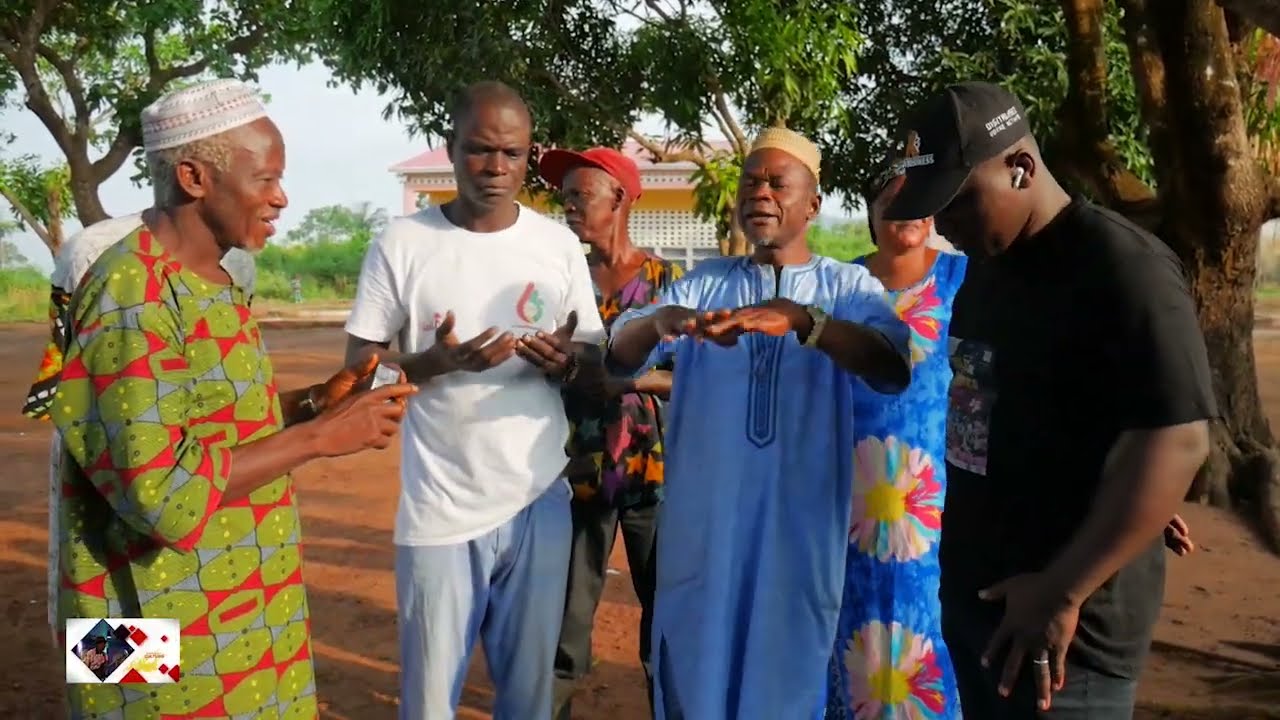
624,439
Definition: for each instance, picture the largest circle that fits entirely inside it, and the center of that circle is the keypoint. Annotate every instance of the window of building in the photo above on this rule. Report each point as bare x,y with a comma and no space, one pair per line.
678,236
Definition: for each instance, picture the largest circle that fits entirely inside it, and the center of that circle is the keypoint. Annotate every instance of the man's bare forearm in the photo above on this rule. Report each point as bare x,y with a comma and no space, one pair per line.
257,463
865,352
632,343
418,367
654,382
1145,478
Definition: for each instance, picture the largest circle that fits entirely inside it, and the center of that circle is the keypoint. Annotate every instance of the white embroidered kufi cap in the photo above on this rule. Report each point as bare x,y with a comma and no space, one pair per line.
199,111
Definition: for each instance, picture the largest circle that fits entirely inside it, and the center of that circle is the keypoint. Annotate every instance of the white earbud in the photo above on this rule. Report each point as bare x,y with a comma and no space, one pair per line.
1018,174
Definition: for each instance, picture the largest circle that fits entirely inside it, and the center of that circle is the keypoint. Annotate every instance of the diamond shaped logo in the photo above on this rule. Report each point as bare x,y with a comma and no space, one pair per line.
102,649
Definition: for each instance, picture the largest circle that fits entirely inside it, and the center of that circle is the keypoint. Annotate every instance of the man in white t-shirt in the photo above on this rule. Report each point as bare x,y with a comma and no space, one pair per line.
483,527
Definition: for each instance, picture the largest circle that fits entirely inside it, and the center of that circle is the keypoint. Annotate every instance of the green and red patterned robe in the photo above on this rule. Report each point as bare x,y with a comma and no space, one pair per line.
164,374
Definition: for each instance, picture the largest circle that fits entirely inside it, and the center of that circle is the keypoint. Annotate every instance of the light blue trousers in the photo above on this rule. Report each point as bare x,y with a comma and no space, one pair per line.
507,586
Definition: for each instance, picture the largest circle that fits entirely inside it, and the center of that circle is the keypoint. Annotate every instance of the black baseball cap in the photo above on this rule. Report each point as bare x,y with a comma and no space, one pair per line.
946,137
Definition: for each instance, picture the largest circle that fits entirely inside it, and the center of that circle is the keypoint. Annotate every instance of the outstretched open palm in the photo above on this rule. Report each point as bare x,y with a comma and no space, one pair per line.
486,350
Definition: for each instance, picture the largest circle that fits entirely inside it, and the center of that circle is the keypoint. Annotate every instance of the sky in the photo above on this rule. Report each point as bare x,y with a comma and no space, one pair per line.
339,149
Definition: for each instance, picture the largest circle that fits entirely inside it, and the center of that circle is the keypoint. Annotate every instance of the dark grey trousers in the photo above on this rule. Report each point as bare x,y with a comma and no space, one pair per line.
967,625
594,529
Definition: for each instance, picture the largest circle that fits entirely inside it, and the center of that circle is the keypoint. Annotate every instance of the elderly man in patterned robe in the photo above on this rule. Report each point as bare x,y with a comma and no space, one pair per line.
176,497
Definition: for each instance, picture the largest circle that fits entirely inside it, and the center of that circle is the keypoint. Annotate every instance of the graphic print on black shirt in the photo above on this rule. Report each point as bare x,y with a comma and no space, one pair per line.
968,544
971,396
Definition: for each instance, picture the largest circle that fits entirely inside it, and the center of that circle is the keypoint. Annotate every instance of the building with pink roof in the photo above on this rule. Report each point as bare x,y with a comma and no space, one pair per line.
662,220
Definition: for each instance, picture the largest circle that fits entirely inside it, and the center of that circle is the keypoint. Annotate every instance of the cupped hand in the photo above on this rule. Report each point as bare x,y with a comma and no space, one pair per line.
775,317
672,321
347,381
363,421
552,352
486,350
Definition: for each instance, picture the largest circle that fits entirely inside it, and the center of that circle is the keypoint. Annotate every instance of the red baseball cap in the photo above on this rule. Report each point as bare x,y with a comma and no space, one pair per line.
555,164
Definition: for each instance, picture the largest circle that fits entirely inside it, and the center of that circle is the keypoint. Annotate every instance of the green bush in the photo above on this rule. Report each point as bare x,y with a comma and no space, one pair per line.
24,295
329,269
841,241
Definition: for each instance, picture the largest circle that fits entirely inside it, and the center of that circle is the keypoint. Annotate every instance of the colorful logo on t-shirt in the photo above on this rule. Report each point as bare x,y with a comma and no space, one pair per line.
529,307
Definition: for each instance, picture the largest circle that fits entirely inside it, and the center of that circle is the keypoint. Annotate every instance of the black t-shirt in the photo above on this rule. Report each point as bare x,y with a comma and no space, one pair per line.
1092,332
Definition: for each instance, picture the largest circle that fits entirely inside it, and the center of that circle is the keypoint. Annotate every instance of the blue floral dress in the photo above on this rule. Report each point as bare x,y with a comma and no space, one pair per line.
889,661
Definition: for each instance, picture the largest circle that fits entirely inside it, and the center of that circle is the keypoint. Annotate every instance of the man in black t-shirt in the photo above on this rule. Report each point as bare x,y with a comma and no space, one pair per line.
1080,417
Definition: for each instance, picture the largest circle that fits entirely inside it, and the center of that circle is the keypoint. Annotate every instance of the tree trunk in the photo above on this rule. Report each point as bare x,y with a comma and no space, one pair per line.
84,191
1264,13
1215,199
53,202
735,241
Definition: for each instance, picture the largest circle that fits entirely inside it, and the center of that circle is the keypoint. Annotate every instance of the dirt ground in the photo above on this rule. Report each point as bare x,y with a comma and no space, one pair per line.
1219,630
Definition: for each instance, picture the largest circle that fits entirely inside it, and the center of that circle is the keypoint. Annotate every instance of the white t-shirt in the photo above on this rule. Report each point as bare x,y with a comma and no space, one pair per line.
477,447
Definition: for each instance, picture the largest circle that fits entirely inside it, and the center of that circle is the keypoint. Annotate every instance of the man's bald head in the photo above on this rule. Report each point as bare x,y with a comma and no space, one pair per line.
490,145
486,93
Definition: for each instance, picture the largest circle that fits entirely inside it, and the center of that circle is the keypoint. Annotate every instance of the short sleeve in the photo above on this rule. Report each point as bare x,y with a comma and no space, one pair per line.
581,297
377,315
1161,375
866,303
124,406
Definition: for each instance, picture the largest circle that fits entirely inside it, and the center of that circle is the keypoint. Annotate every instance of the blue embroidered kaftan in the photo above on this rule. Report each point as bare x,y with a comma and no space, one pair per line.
753,532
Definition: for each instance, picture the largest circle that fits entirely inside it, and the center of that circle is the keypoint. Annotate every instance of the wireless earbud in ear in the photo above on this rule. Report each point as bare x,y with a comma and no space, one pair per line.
1018,174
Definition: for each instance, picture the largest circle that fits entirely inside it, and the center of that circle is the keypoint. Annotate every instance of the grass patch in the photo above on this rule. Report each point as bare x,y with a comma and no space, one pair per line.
24,295
329,272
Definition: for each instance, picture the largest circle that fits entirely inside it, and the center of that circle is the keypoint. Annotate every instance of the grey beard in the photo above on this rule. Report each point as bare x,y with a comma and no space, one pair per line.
763,242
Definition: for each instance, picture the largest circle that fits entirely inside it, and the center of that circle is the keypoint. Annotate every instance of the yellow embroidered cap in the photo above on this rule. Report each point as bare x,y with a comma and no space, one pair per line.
793,144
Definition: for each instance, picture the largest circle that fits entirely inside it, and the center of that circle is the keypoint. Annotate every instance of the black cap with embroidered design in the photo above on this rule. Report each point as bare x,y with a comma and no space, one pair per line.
946,137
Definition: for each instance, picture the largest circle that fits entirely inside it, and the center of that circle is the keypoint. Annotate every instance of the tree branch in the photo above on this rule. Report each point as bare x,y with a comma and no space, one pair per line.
724,129
29,218
660,153
1273,196
725,117
35,26
161,76
1087,66
121,147
1264,13
75,90
1084,152
659,10
149,51
664,154
1148,73
633,12
23,59
158,77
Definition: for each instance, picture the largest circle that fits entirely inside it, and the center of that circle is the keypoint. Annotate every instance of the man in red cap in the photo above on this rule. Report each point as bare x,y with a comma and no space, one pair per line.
615,449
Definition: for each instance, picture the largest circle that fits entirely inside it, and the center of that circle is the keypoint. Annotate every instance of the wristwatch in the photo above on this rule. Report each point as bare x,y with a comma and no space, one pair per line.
819,318
571,370
309,404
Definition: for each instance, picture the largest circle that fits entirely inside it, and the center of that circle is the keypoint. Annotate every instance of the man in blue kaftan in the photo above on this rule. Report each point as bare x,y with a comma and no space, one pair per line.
755,527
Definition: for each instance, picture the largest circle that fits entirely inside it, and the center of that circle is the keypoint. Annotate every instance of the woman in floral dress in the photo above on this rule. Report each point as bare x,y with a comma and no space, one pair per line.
889,661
